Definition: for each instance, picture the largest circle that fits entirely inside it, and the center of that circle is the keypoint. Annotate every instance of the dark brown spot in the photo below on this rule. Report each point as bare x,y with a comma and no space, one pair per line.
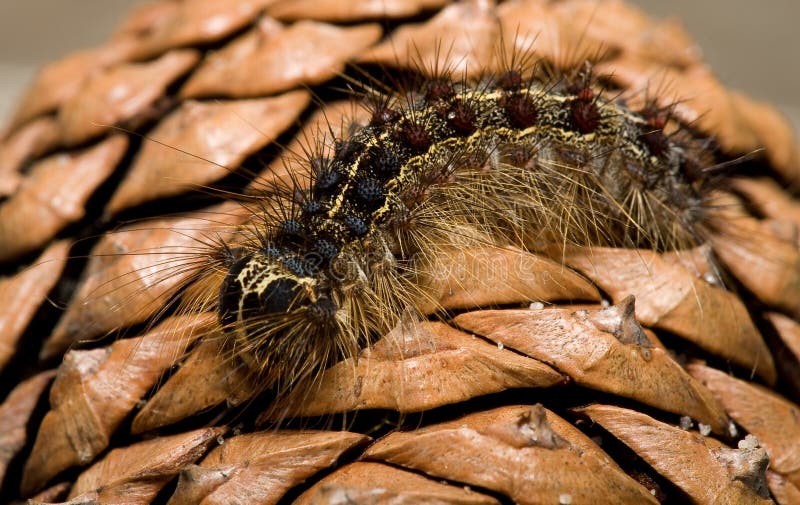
653,130
584,112
655,117
461,118
520,110
319,164
656,122
404,220
510,80
655,140
439,89
416,137
438,175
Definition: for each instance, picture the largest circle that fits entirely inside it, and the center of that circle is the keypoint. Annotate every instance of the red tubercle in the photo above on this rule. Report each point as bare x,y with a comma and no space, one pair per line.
586,94
584,112
415,136
520,110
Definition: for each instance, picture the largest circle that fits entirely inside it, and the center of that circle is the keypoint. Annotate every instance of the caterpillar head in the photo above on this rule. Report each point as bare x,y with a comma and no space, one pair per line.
266,302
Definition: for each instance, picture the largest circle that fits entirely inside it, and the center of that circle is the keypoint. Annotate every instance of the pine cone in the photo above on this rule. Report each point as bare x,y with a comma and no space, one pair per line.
594,375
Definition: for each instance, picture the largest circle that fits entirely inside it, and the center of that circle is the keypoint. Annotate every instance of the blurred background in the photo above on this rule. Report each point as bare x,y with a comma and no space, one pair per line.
751,45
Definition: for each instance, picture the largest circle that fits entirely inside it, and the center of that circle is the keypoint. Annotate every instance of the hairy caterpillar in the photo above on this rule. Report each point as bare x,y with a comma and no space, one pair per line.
526,158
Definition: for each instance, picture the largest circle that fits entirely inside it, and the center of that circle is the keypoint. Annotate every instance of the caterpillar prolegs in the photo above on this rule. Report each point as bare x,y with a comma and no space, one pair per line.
518,159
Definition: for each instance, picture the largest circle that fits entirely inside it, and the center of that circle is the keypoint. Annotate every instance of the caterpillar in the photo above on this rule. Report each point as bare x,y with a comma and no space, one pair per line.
529,158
